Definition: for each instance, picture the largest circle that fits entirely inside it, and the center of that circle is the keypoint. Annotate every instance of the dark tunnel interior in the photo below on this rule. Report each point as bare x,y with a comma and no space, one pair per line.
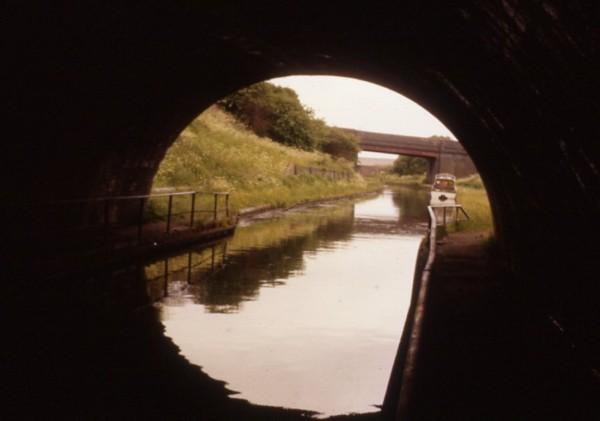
96,94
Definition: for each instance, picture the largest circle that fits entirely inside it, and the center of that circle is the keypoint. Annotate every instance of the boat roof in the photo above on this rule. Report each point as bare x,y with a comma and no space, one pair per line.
446,176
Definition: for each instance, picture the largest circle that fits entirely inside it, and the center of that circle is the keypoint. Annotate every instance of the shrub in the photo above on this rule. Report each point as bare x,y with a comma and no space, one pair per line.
340,144
274,112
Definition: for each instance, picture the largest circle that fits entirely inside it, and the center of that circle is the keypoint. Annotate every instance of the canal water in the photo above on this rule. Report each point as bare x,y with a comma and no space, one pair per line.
302,309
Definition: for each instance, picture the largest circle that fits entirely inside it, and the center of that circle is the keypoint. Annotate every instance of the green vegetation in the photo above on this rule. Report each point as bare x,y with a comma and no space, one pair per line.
472,182
217,153
277,113
340,144
414,180
410,165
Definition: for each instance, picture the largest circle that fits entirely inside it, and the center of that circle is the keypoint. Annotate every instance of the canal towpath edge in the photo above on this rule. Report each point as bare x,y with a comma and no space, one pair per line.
484,352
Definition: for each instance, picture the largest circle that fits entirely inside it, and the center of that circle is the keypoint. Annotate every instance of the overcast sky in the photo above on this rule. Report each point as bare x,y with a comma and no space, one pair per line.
356,104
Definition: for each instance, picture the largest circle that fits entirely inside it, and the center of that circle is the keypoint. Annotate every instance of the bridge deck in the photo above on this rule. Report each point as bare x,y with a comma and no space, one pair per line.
394,143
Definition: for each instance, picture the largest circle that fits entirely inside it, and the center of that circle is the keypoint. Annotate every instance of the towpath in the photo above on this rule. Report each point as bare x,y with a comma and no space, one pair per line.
487,355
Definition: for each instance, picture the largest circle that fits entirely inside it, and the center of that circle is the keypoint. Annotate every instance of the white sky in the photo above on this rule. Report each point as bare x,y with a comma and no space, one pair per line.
356,104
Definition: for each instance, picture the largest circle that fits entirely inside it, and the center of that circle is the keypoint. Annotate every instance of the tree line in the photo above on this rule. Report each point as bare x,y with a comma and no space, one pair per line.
276,112
411,165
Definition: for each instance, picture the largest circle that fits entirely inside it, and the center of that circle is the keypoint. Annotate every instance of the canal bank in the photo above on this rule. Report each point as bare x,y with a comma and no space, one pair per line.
485,354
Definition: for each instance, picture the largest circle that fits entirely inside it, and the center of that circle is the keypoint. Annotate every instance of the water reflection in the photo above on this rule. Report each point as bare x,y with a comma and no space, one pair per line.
412,203
302,311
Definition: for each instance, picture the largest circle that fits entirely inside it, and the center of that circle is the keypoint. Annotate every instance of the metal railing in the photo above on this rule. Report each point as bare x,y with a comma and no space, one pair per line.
457,208
108,216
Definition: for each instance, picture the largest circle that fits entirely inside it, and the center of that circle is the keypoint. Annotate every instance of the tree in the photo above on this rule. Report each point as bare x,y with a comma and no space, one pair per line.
340,144
407,165
275,112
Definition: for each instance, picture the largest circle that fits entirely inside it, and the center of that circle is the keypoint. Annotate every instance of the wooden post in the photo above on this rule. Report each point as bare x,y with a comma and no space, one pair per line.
444,210
227,205
169,211
216,198
140,220
464,212
193,209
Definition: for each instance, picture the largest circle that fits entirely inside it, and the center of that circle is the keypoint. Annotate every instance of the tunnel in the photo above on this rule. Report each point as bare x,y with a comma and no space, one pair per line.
97,93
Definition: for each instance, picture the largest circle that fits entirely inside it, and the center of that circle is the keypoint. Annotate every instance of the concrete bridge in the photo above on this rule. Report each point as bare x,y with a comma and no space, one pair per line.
444,155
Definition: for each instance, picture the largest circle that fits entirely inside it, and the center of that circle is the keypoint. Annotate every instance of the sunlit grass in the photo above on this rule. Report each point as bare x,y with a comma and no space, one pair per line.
217,153
471,194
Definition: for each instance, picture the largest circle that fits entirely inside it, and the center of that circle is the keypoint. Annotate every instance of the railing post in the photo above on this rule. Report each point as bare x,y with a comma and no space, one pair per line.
140,220
444,210
169,211
227,205
216,198
193,209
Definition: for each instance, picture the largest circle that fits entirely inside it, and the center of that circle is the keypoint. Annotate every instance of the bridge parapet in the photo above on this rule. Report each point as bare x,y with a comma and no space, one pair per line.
444,155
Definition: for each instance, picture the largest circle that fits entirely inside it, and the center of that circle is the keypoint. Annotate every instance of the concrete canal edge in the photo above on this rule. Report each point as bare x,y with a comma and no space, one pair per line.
398,392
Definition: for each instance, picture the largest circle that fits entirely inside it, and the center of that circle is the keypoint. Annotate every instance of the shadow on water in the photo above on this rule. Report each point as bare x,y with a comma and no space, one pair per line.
412,202
97,348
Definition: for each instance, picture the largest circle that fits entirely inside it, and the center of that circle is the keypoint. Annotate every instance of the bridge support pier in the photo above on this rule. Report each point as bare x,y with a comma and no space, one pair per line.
433,169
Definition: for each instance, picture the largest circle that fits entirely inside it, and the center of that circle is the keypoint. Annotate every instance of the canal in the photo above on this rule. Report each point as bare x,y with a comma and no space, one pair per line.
300,309
298,314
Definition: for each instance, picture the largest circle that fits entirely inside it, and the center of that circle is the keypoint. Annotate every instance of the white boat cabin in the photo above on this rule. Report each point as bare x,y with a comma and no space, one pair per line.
443,191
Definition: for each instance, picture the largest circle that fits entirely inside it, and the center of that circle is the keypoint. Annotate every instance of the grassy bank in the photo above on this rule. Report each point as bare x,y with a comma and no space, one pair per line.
217,153
413,180
472,195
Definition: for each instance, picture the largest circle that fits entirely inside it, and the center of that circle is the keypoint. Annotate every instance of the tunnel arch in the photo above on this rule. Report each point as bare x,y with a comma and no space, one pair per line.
516,82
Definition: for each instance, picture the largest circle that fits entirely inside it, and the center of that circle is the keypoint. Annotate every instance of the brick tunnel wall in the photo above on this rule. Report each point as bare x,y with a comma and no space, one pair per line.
97,93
